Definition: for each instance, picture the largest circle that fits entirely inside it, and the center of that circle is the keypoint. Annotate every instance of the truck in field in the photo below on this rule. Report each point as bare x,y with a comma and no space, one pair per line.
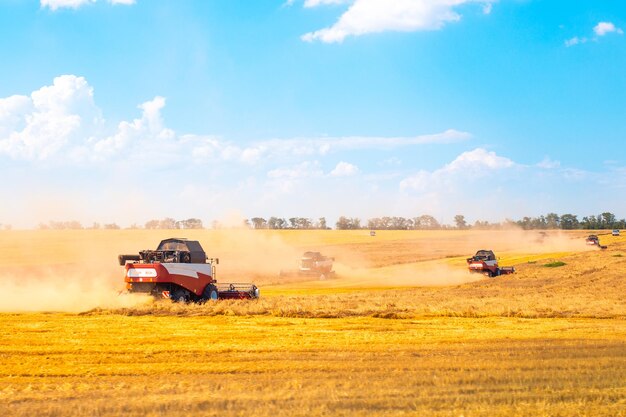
179,270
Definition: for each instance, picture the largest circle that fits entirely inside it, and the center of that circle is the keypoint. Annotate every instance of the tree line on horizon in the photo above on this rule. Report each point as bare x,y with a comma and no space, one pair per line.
550,221
166,223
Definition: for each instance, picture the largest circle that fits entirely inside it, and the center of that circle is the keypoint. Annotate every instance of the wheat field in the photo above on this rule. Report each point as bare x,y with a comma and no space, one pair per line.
402,330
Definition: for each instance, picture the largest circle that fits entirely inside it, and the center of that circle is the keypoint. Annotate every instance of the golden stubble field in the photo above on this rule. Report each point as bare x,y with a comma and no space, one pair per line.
402,330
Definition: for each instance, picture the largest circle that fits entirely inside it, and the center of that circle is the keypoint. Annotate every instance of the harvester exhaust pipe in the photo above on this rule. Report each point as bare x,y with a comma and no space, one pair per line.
122,259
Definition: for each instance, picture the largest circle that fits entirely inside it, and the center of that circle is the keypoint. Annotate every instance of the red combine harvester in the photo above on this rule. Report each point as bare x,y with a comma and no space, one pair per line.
179,270
594,240
313,264
485,262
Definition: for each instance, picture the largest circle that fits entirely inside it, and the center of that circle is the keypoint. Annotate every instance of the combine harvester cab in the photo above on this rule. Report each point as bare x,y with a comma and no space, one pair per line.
486,263
179,270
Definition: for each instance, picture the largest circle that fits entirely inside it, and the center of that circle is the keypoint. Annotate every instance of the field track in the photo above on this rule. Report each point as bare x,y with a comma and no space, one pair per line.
403,330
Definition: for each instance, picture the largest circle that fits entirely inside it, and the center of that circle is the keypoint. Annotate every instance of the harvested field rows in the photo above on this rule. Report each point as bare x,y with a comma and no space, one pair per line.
402,330
112,365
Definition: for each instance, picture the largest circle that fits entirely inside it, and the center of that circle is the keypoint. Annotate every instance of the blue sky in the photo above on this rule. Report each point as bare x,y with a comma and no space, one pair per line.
122,111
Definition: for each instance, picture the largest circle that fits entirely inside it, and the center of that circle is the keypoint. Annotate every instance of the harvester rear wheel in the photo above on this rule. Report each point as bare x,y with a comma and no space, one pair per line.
210,293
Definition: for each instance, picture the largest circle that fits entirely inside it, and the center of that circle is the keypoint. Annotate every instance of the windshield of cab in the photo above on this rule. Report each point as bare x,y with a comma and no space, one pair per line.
173,246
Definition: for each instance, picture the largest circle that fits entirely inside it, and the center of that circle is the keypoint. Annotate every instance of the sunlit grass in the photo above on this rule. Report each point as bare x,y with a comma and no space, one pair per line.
555,264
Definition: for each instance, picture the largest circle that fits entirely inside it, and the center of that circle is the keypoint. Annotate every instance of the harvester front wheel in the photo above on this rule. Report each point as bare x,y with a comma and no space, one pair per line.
210,293
179,296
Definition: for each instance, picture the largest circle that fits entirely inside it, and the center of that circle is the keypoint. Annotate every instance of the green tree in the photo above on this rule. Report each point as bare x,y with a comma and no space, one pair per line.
272,223
304,223
426,222
590,222
460,222
569,222
342,223
345,223
191,224
167,223
258,222
399,223
608,220
553,221
355,223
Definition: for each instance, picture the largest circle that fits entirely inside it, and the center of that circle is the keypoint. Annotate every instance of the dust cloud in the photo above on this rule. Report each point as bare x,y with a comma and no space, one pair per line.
433,273
62,289
425,261
74,271
519,240
249,254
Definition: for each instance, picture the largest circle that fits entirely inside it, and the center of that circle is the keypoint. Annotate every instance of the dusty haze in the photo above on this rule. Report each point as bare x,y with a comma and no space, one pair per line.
77,270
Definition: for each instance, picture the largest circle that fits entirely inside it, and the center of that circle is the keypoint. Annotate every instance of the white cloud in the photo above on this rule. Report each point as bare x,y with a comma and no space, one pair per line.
467,166
306,169
304,147
575,174
548,163
393,161
325,145
56,116
285,179
11,111
70,4
602,28
148,128
479,159
344,169
61,123
315,3
575,41
75,4
373,16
